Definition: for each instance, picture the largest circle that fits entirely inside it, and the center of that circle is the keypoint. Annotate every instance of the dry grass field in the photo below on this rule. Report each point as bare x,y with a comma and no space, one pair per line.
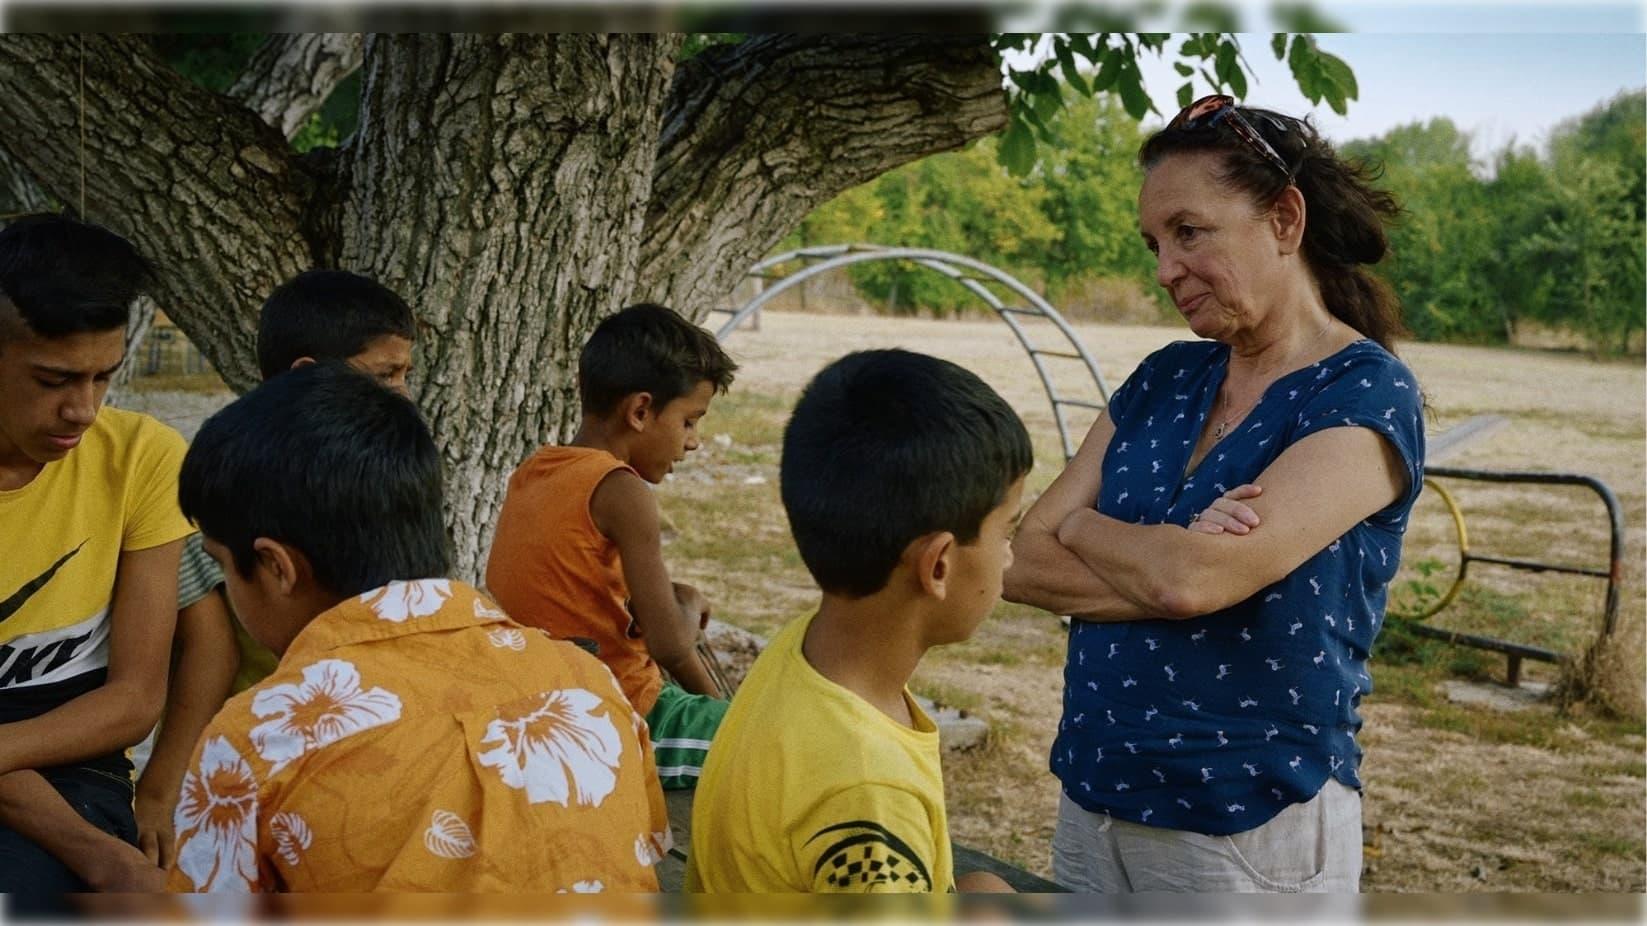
1459,798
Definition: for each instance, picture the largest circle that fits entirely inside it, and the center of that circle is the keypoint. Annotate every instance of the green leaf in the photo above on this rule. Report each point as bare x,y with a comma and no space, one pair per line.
1238,82
1186,95
1016,151
1225,63
1083,47
1046,104
1278,44
1183,69
1334,68
1303,49
1133,97
1108,70
1335,96
1072,74
1024,79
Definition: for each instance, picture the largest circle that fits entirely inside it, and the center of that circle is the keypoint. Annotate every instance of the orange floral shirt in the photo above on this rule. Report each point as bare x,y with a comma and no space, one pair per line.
415,738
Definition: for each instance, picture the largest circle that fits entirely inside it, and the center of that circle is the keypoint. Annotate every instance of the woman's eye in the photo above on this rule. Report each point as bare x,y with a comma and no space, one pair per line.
1187,232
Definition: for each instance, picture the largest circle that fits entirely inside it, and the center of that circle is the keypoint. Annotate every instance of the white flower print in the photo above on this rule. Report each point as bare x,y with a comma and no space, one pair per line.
216,821
448,836
650,848
401,601
557,750
485,611
291,836
508,638
584,887
327,706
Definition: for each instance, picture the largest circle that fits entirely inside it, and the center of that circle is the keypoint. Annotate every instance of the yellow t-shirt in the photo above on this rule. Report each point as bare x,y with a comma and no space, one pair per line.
810,788
61,537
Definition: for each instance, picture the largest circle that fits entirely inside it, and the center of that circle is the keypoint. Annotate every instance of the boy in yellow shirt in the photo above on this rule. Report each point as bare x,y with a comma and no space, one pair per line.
89,537
902,476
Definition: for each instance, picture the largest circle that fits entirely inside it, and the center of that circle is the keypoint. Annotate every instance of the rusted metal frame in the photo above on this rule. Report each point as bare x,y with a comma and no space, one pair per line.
1516,652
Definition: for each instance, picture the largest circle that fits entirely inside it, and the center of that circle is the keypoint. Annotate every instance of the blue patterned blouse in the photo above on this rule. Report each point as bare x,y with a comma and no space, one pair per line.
1217,723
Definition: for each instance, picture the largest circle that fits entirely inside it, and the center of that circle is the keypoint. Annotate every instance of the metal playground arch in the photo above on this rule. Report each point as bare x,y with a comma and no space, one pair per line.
1018,304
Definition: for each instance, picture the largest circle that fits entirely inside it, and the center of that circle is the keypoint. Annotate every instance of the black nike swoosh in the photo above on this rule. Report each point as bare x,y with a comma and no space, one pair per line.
21,597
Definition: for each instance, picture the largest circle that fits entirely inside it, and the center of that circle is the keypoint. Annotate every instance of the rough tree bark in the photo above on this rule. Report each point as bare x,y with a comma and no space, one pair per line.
760,133
292,74
515,188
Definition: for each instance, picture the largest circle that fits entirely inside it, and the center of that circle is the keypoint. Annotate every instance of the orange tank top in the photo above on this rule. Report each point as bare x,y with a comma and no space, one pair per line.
551,567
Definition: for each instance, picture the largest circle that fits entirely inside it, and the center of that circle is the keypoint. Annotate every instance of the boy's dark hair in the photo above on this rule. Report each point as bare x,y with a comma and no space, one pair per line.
325,459
648,348
885,446
327,315
62,276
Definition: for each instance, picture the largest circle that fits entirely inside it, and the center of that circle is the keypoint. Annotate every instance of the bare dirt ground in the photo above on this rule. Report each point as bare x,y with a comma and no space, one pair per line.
1459,798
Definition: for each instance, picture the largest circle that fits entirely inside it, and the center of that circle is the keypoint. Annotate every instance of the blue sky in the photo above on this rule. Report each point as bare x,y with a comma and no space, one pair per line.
1498,86
1502,71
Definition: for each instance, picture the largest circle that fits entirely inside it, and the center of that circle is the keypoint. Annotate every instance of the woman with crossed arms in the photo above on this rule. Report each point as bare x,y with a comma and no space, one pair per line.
1226,534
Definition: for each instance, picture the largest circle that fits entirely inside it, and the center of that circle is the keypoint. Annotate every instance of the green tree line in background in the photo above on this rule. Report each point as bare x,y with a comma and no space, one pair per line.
1554,237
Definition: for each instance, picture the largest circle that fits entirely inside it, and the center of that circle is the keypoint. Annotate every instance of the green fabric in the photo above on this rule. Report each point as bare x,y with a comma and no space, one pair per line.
682,725
197,573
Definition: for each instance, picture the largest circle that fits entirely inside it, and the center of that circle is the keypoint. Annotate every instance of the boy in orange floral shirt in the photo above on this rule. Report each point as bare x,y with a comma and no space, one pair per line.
412,736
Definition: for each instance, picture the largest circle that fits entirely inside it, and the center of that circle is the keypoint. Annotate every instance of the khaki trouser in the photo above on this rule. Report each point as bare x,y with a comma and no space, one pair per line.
1310,847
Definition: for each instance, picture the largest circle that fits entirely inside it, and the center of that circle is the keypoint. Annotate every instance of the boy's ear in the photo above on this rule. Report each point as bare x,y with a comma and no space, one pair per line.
283,568
637,410
301,362
930,556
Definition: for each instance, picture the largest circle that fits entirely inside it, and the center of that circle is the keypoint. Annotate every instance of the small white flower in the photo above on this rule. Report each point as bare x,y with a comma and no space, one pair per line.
401,601
508,638
291,836
484,611
216,821
584,887
325,707
558,750
448,836
650,848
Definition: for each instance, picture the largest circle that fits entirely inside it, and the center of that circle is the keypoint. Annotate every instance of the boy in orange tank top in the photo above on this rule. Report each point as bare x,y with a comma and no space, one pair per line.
577,550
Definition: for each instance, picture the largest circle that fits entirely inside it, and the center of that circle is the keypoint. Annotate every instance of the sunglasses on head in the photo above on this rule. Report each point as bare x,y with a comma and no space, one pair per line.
1209,111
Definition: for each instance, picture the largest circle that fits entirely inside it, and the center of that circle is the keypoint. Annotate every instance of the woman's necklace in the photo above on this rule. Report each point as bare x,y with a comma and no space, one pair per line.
1224,400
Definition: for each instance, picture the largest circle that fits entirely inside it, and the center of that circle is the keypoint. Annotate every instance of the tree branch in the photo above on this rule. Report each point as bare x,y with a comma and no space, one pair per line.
208,192
292,74
756,135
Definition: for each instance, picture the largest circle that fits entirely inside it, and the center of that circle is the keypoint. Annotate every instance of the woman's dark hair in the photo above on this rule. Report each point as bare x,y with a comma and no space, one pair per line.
325,459
1344,229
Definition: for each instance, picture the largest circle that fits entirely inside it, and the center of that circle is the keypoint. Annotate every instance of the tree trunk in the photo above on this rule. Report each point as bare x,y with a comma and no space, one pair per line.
502,182
515,189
